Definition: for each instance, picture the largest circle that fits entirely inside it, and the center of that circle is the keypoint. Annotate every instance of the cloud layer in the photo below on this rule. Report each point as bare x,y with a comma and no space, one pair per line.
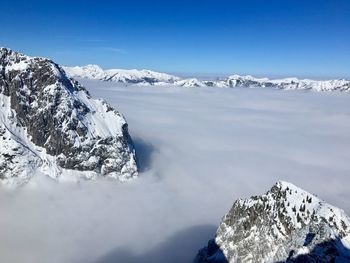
199,150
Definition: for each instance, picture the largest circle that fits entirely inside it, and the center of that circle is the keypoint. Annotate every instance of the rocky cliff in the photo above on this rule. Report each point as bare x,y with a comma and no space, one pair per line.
287,224
49,123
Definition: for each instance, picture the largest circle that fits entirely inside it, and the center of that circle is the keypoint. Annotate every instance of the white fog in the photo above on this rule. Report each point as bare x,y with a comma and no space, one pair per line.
199,150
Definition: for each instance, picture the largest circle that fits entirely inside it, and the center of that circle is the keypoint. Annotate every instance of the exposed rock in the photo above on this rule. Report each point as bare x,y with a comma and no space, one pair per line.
49,119
287,224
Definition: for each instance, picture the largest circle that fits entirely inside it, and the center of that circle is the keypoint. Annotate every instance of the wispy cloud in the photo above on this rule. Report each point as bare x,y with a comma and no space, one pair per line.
92,40
80,39
114,49
89,49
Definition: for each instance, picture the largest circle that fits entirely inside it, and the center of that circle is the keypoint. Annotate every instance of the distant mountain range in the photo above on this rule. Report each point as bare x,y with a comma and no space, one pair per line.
287,224
148,77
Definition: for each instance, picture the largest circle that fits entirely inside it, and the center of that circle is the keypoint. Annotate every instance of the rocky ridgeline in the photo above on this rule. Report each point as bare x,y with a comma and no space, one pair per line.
287,224
49,123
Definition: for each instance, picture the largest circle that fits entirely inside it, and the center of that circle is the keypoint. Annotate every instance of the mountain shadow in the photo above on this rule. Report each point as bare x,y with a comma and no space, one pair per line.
328,251
179,248
325,252
144,154
210,254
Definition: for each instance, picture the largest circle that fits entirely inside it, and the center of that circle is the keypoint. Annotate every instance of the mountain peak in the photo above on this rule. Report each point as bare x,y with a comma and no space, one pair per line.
50,124
281,225
131,76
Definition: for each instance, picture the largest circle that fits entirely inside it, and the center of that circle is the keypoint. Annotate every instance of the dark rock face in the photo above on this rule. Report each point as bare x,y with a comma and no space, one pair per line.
59,115
286,224
210,254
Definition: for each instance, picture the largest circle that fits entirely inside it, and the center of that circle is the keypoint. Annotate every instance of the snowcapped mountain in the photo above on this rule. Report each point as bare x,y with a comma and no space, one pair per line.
86,72
287,224
190,83
287,83
49,124
132,76
147,77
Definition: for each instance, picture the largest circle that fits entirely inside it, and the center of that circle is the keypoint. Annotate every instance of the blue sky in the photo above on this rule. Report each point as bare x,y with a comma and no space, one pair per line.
263,38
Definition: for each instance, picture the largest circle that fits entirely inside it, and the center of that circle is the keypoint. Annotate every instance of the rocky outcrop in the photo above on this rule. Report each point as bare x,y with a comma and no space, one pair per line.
49,120
287,224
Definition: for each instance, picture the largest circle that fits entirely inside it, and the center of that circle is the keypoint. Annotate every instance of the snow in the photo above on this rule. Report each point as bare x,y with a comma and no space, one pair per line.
189,83
22,65
288,83
14,63
199,150
119,75
16,143
88,71
101,121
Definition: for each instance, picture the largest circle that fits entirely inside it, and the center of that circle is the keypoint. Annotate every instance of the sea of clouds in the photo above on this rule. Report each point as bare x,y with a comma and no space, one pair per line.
199,149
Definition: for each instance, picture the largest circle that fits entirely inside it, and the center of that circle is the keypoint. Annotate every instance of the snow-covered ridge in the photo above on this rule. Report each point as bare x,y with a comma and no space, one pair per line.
147,77
50,124
284,225
133,76
288,83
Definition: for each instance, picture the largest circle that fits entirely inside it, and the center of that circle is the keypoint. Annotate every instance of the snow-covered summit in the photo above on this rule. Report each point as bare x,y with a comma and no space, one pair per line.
49,124
190,83
287,83
88,72
132,76
286,224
